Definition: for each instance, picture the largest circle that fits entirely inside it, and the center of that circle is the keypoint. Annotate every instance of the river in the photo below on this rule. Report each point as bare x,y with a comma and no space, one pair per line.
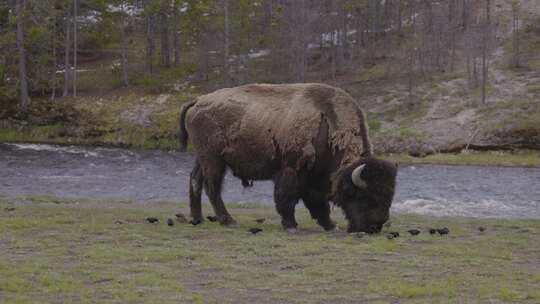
151,176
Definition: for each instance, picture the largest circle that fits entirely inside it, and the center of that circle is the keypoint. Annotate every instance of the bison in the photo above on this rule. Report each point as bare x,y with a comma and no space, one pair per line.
310,139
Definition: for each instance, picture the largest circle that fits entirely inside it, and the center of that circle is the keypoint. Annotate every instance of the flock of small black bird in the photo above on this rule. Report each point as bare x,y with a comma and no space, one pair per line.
390,235
182,219
414,232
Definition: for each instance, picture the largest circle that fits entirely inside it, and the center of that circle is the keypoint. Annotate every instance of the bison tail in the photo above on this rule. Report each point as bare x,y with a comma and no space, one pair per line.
183,131
364,133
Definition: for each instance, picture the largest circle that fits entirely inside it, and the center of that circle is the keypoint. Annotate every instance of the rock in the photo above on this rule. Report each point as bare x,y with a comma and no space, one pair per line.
255,230
152,220
443,231
260,220
481,229
119,222
181,218
195,222
432,231
170,222
9,209
212,218
389,236
395,234
414,231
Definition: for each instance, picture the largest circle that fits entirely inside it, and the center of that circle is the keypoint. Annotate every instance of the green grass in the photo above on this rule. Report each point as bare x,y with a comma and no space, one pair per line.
80,253
492,158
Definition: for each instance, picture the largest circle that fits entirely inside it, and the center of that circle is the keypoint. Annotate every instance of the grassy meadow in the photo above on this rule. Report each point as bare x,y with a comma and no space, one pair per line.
85,251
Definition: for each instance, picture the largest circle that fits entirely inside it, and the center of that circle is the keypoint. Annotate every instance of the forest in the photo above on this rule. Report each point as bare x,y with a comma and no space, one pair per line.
411,54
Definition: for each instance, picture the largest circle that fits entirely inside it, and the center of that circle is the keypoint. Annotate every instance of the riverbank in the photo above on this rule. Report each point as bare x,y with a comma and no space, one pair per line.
135,119
517,158
103,251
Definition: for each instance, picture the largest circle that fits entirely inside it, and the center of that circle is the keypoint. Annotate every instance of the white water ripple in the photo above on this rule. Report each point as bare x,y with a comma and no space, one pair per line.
66,149
488,208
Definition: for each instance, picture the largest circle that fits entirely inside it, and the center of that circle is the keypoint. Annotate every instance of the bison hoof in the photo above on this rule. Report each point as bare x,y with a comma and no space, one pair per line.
195,222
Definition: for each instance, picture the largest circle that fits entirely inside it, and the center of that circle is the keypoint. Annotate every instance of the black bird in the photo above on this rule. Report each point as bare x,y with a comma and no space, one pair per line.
443,231
260,220
432,231
414,231
481,229
395,234
212,218
195,222
170,222
9,209
255,230
152,220
181,218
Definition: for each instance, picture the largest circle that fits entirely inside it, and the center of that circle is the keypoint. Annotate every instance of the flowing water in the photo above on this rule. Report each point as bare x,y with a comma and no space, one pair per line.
150,176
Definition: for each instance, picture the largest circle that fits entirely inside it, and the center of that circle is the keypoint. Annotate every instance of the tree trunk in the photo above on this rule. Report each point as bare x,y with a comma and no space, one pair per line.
400,18
359,34
53,47
451,28
464,15
412,8
474,72
341,32
165,48
411,76
301,51
125,68
487,30
515,33
74,48
19,6
469,71
67,50
226,46
150,43
176,35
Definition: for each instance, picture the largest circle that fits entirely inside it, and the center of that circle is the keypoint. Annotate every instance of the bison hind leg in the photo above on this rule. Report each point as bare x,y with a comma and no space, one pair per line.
195,193
213,173
319,208
286,197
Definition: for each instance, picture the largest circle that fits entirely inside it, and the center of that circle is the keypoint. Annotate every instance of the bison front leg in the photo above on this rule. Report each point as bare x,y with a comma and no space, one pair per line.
213,174
317,204
195,193
286,197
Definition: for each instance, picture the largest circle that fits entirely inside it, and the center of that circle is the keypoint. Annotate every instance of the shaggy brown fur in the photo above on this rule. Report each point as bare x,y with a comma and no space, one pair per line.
303,136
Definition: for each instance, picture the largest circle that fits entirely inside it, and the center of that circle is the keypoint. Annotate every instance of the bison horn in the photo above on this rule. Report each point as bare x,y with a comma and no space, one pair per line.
356,177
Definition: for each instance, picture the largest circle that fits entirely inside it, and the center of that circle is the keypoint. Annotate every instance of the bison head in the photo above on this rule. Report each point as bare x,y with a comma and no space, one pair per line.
365,192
